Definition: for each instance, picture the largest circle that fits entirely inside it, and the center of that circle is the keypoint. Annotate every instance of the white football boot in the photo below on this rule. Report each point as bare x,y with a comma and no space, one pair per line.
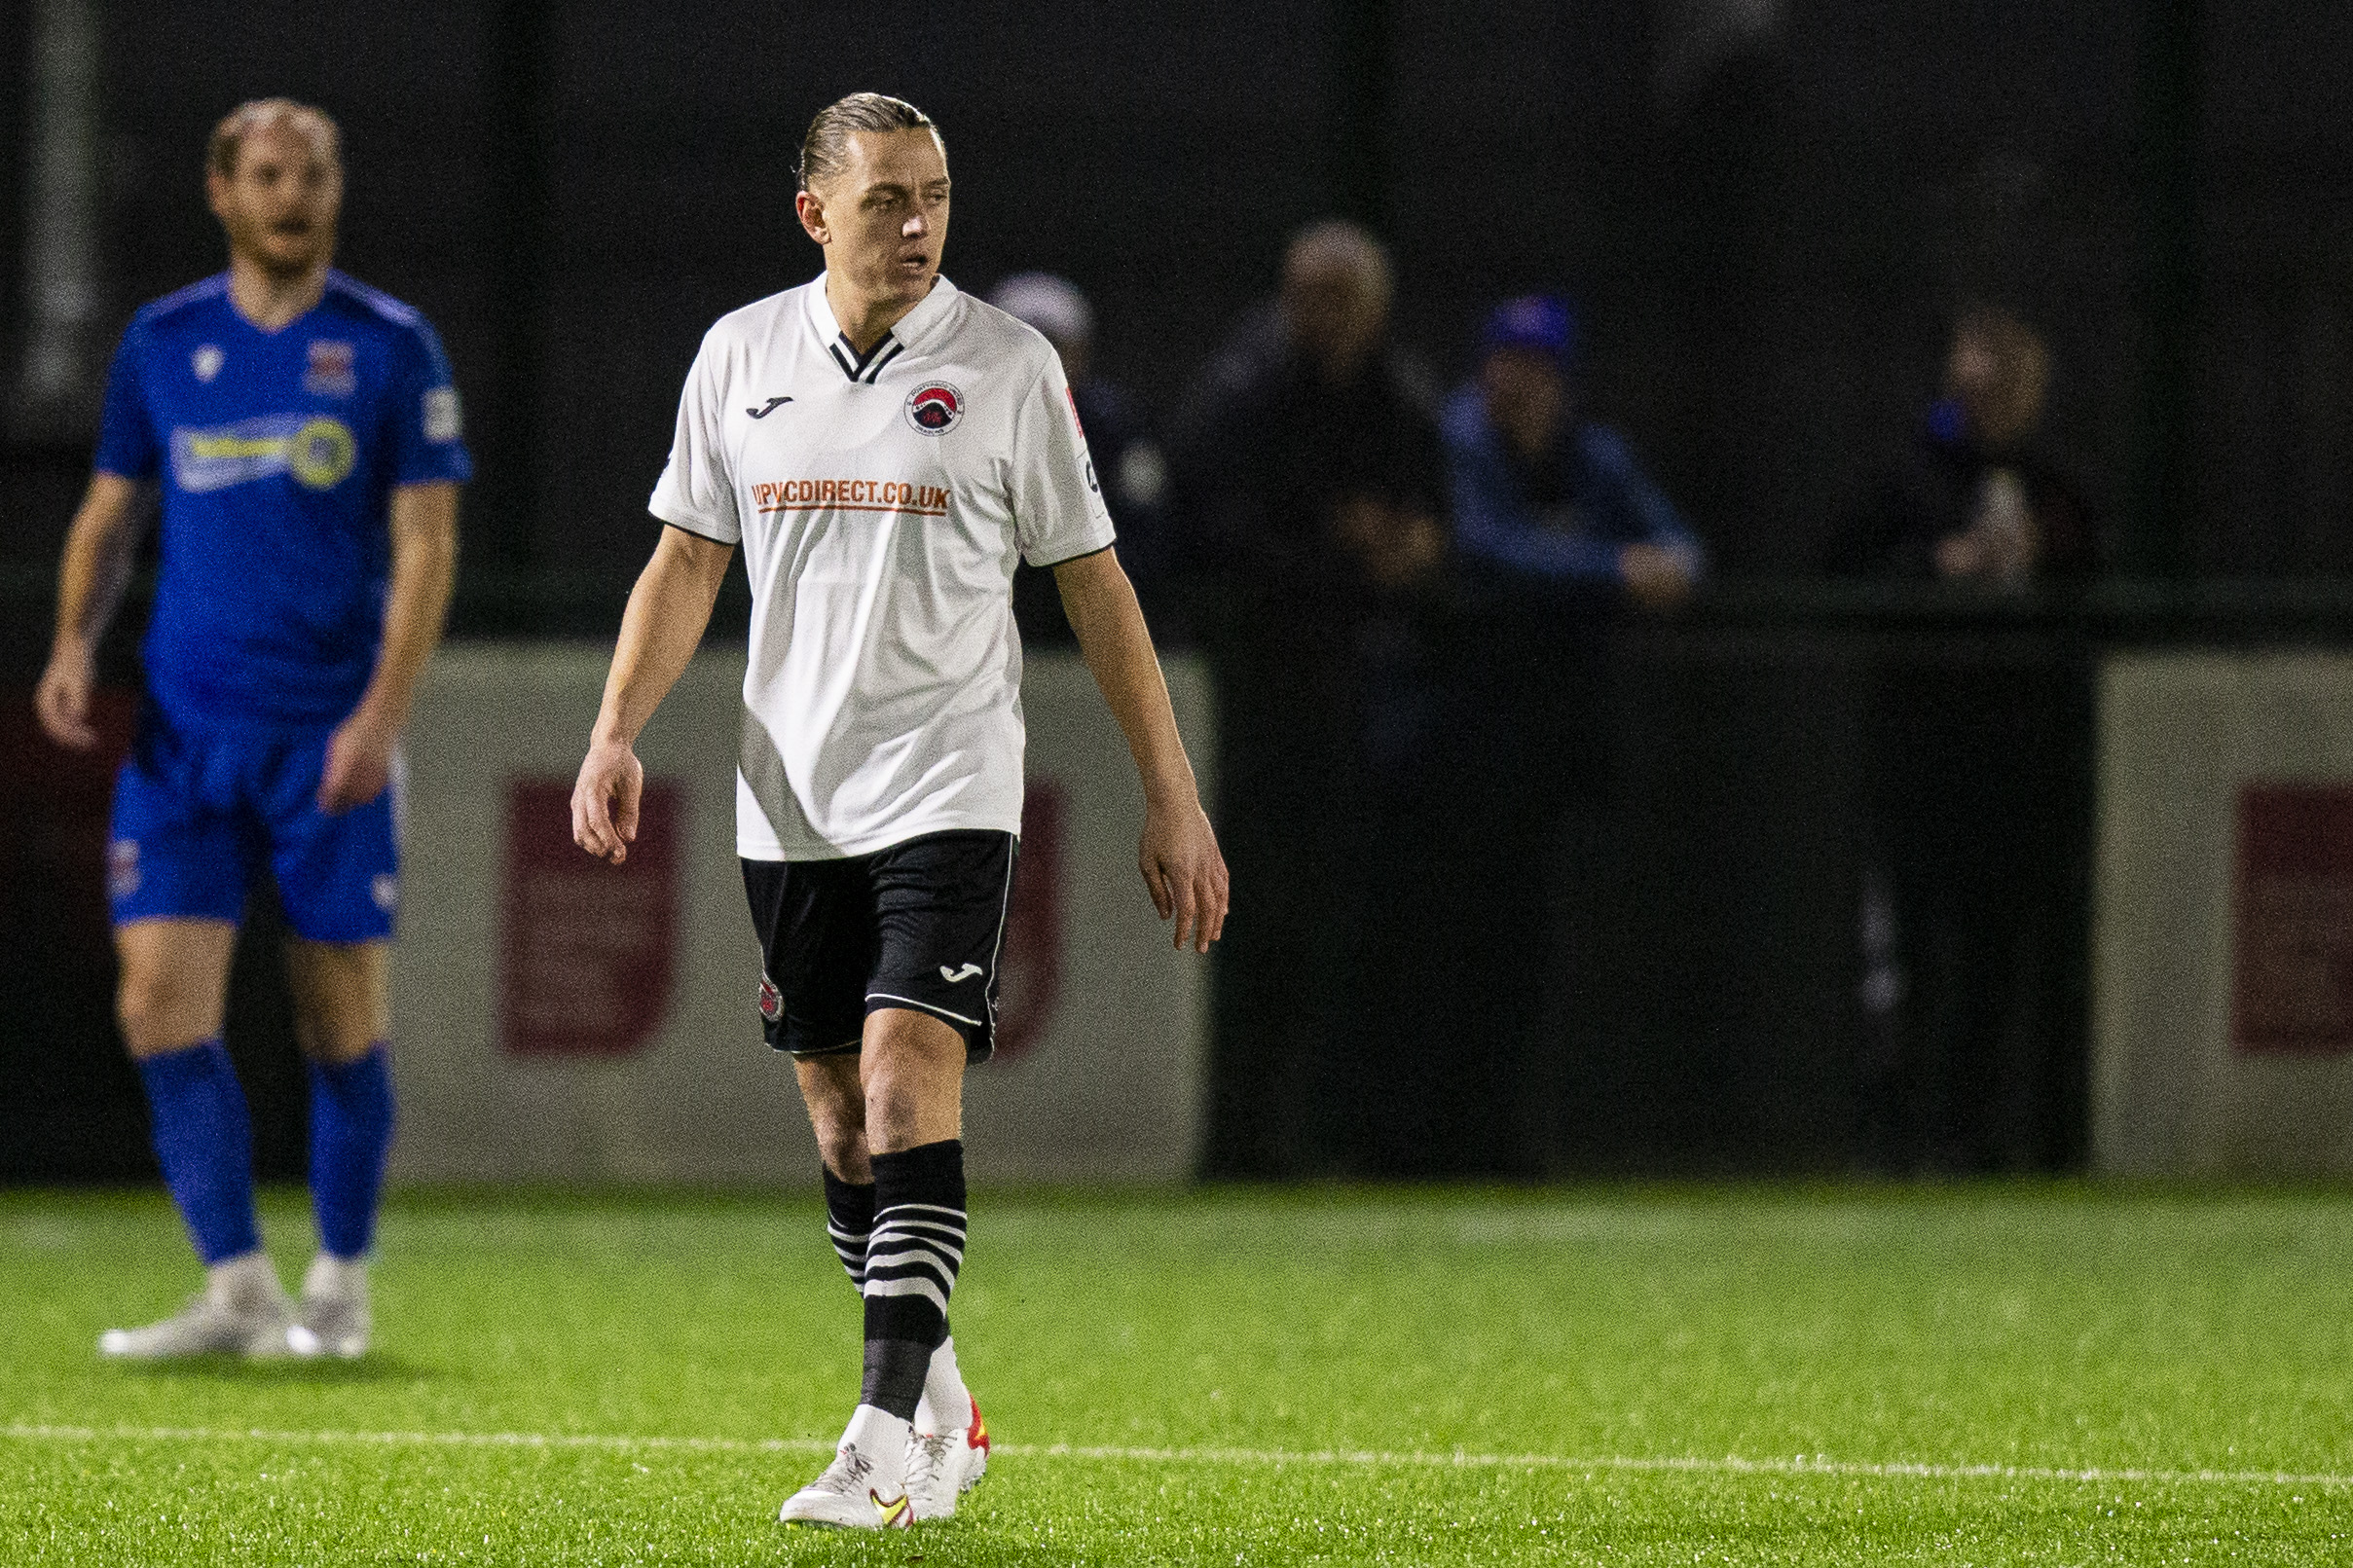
242,1311
944,1466
332,1318
865,1489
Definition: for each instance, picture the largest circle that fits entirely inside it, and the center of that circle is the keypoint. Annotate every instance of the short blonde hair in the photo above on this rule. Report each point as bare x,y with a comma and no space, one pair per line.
228,136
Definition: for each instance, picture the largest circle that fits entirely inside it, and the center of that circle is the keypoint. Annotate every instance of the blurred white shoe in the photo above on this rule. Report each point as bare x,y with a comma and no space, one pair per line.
332,1318
242,1311
944,1466
865,1489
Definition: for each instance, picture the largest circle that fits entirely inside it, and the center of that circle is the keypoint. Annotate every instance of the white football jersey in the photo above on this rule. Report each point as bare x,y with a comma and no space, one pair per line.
882,501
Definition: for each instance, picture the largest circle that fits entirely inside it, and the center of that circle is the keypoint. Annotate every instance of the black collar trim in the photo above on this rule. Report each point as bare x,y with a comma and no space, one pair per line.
868,365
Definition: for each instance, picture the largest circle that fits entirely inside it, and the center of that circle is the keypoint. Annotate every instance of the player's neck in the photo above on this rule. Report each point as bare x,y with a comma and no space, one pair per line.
273,301
865,318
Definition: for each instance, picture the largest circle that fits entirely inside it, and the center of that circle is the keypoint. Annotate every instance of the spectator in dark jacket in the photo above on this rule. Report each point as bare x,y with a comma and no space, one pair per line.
1978,498
1306,459
1309,487
1127,460
1967,899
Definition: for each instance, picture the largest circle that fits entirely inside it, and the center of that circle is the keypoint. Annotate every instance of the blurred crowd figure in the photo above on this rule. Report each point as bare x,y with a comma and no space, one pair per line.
1979,498
1540,491
1309,485
1402,596
1967,896
1129,466
1406,596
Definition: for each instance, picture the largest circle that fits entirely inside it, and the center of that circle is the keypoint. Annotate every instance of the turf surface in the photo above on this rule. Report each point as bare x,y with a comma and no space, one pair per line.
1591,1376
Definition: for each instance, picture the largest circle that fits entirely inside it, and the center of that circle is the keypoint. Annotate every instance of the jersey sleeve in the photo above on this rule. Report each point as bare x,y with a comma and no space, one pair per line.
127,444
1059,508
427,429
697,490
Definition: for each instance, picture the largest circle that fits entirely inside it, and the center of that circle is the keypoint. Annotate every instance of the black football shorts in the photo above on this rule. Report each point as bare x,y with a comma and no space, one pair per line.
919,925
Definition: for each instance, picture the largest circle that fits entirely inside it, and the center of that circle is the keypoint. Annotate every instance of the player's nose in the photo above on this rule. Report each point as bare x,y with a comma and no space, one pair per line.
916,228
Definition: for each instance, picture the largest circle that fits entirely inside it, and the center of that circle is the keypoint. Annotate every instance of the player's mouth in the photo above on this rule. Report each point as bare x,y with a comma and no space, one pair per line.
915,266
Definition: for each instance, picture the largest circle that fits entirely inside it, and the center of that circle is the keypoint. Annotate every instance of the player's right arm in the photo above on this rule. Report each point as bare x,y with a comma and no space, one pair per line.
668,610
98,550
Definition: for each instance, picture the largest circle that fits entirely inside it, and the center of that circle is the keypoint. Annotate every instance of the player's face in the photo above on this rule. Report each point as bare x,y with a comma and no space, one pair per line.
281,205
883,217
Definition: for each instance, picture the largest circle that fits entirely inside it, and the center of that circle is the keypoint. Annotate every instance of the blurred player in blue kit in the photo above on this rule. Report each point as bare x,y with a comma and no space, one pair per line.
303,432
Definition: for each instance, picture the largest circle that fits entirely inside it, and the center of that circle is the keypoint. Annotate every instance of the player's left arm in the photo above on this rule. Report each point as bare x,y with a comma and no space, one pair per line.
424,563
1179,854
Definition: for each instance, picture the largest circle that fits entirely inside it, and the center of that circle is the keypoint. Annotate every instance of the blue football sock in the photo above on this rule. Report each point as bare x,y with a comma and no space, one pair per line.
204,1140
350,1134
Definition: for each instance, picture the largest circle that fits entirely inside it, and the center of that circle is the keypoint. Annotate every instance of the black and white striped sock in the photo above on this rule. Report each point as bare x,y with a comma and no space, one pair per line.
849,1218
913,1252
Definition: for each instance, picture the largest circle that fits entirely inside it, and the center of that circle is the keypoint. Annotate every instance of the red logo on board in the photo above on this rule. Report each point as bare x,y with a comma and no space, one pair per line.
2291,919
586,949
1029,975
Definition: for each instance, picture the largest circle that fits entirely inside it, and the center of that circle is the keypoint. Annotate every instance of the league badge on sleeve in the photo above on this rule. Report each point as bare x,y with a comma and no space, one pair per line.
935,407
442,420
205,363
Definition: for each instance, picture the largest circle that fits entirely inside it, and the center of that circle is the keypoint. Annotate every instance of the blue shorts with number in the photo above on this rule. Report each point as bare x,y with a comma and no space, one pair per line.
198,812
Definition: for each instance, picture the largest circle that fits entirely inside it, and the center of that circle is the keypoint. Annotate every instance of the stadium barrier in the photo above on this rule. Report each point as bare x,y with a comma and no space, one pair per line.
566,1021
2222,931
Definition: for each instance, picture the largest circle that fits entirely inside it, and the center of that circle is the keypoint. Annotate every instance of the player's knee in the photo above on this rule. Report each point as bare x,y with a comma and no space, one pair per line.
842,1146
913,1069
155,1013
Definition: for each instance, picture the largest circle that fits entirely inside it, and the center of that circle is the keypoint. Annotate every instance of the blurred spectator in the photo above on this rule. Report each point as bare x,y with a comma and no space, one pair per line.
1309,480
1127,464
1306,459
1966,903
1554,527
1541,493
1979,498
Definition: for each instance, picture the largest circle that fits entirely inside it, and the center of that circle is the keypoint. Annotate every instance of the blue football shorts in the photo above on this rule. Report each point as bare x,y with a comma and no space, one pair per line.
198,812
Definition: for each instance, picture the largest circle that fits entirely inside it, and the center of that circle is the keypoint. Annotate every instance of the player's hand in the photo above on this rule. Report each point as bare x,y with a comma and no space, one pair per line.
1185,872
605,802
62,699
359,762
1658,579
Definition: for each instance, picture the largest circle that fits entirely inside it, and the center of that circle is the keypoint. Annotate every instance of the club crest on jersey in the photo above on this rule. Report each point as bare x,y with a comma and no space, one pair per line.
205,363
333,369
771,999
935,407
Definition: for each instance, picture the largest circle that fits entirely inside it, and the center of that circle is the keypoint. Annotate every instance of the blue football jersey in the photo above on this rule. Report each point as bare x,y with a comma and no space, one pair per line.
276,452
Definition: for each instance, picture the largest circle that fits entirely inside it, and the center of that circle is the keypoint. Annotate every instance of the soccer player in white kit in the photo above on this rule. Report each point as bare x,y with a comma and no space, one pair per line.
886,448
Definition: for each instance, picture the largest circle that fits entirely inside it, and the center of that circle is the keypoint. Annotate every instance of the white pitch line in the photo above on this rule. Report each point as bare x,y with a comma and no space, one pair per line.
1730,1465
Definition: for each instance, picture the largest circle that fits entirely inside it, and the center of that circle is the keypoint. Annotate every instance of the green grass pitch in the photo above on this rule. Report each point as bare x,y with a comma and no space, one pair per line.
2026,1374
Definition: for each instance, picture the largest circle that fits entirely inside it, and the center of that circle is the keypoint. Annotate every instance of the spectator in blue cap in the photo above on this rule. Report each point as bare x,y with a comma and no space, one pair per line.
1544,495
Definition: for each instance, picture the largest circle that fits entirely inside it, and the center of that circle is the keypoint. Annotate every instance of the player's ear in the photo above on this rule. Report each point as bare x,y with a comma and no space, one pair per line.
812,213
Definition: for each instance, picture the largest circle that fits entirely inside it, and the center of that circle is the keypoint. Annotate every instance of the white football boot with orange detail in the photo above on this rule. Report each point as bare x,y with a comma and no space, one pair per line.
865,1489
944,1466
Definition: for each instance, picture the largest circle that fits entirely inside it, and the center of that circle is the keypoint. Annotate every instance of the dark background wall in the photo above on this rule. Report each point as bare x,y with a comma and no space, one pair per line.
1769,238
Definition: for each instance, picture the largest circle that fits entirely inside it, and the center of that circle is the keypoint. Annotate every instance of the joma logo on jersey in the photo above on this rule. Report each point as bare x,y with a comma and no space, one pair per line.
850,494
318,451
